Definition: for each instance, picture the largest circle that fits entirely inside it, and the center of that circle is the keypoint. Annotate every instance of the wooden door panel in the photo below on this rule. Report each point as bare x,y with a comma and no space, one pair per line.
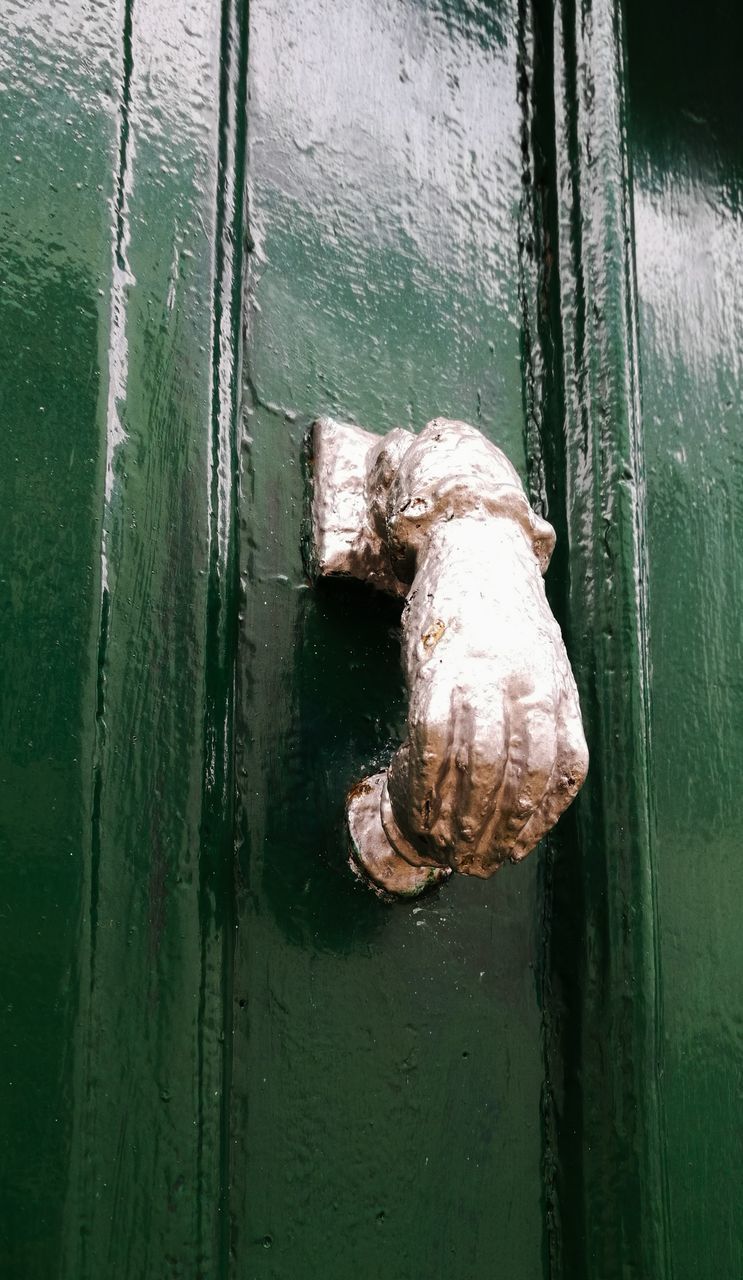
687,103
387,1067
118,331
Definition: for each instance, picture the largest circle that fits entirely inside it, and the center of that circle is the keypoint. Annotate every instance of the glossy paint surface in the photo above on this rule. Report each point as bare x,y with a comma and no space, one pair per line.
55,266
686,100
601,987
220,1055
117,420
387,1068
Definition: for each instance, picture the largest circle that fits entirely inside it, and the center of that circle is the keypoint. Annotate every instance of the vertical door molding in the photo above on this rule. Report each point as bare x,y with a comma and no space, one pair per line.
148,1176
604,1168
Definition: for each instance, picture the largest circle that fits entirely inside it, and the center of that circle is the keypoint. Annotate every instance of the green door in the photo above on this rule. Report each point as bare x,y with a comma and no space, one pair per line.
222,1056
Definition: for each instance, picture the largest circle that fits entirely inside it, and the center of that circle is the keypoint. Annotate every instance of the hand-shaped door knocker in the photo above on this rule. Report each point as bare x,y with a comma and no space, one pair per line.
495,749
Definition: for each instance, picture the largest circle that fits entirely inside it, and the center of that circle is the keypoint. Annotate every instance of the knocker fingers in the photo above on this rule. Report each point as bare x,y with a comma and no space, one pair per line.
568,774
531,748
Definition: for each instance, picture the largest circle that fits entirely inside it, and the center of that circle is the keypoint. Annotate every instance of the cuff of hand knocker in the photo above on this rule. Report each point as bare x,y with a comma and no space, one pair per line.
450,471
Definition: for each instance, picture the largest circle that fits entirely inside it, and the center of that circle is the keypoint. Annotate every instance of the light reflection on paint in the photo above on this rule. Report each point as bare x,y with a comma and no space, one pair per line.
441,183
690,283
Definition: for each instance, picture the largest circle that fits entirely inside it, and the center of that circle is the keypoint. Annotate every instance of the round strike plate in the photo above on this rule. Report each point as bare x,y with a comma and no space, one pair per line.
372,855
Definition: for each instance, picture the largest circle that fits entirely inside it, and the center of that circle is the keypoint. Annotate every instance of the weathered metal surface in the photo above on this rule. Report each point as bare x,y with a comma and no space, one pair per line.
351,470
495,749
375,853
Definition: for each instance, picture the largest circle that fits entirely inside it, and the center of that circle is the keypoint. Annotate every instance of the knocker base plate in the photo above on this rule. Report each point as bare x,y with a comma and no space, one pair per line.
372,856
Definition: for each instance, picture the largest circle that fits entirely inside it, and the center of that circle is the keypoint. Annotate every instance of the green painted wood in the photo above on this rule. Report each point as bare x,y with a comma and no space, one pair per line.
55,252
637,352
685,143
602,983
121,230
221,1056
387,1061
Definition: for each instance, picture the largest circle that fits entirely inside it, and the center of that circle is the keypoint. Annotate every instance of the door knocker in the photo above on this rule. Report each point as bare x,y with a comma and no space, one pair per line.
495,749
